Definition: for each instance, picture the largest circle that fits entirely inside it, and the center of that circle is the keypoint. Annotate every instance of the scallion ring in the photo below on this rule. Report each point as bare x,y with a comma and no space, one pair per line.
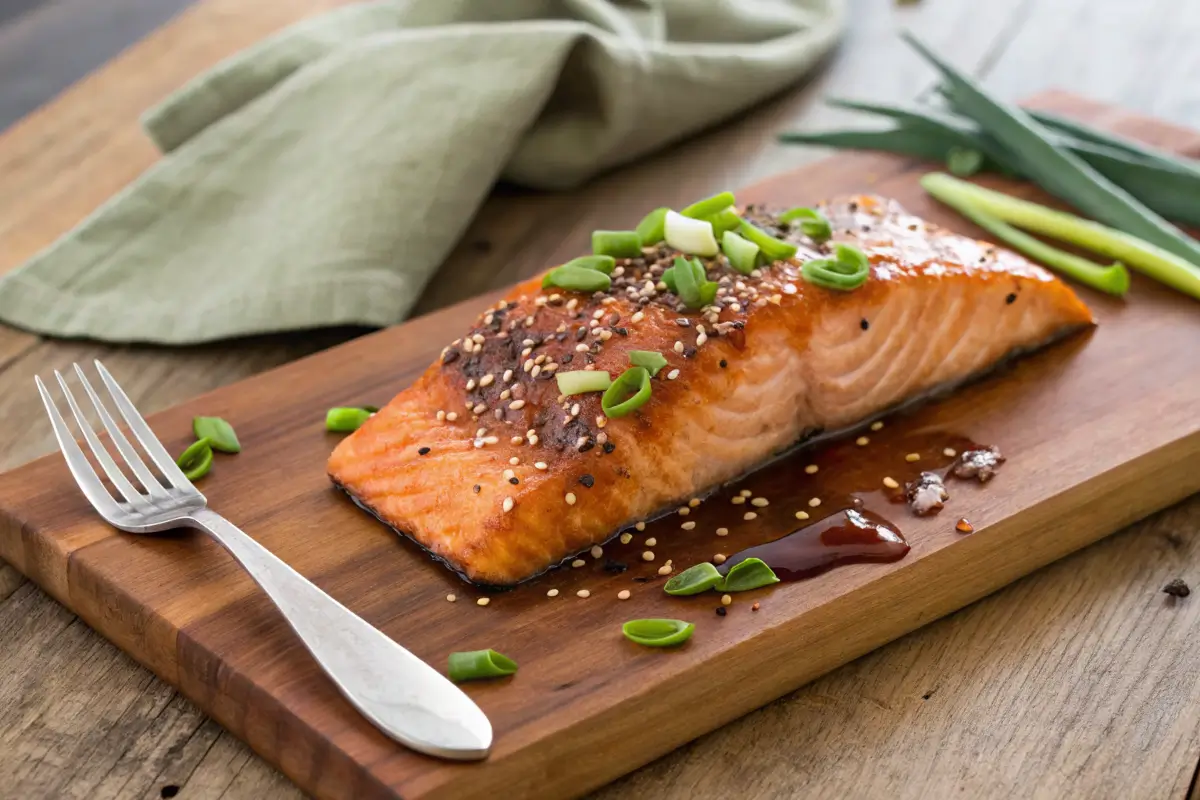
627,393
848,271
772,249
220,434
753,573
196,461
576,279
742,253
691,283
475,664
651,360
651,230
813,223
599,263
658,632
618,244
345,420
709,206
694,580
582,380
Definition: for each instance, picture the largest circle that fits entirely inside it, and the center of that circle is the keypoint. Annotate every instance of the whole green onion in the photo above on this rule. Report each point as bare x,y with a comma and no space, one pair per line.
196,461
742,253
600,263
582,380
753,573
693,580
727,220
658,632
651,360
220,434
651,230
475,664
813,223
772,249
848,270
1145,257
576,279
709,205
345,420
627,393
618,244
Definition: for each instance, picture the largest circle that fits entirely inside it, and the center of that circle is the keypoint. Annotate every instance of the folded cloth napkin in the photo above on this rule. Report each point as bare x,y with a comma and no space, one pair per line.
321,177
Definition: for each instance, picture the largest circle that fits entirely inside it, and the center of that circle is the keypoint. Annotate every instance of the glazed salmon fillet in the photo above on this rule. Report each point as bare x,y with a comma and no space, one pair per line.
489,468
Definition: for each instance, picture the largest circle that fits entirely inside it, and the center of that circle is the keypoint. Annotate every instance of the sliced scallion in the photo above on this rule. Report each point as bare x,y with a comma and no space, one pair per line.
668,277
576,279
475,664
813,223
196,461
848,270
220,434
652,230
581,381
691,236
772,249
692,284
658,632
651,360
753,573
694,580
345,420
618,244
600,263
742,253
627,393
727,220
709,205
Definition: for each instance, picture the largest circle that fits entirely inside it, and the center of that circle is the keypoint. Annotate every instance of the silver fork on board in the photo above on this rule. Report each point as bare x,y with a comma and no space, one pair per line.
400,694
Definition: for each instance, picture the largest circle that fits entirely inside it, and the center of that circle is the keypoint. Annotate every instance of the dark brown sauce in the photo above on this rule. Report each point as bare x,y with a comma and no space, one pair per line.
849,537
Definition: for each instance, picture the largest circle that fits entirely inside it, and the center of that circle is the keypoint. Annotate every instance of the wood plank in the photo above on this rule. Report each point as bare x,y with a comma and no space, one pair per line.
184,611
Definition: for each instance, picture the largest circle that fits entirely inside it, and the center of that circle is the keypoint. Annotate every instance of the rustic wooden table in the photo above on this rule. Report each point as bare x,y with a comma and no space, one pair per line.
1081,680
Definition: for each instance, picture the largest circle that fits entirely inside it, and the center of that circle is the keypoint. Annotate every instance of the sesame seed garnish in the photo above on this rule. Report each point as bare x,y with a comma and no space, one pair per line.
508,473
581,348
450,598
486,380
552,593
678,347
673,374
422,451
479,408
508,504
665,569
801,515
577,563
683,511
641,526
537,370
516,405
483,601
811,469
583,593
491,440
470,384
816,501
701,339
648,555
749,515
891,483
532,440
650,542
877,425
745,493
575,411
695,501
737,501
722,531
911,457
719,558
689,525
570,498
949,452
508,373
638,316
623,594
726,600
540,465
760,502
441,415
597,551
862,441
516,440
451,416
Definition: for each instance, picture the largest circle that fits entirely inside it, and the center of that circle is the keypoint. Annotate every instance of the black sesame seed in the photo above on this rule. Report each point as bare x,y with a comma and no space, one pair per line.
864,324
689,352
475,488
1012,298
621,331
567,359
514,480
721,611
641,580
588,481
609,447
451,356
580,334
424,451
724,363
615,567
588,445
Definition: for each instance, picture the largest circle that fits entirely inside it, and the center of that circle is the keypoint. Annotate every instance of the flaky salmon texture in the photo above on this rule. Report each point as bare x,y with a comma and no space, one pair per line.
484,464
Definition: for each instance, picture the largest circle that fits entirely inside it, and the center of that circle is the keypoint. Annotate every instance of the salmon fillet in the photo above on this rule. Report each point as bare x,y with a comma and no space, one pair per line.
487,467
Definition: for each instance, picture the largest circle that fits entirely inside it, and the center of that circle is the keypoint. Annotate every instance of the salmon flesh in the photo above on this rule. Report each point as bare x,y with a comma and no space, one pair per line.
485,465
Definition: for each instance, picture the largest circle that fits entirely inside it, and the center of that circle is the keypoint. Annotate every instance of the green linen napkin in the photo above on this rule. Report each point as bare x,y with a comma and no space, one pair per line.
321,177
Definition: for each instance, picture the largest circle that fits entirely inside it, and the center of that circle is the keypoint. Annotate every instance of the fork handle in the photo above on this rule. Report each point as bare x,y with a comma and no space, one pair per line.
400,694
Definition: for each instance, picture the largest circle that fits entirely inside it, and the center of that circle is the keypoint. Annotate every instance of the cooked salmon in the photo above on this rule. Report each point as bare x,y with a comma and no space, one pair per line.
484,464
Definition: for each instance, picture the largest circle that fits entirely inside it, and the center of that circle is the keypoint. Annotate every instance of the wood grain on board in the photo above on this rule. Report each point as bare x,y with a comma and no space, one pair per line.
181,607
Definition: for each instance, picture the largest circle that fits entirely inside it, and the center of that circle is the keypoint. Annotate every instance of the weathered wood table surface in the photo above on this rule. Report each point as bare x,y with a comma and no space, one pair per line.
1082,680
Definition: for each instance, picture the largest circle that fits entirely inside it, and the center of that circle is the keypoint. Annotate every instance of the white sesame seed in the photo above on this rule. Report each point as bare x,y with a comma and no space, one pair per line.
701,339
552,593
695,501
683,511
479,408
507,393
679,347
877,425
508,373
480,433
541,465
623,594
949,452
737,501
528,365
650,542
575,410
470,384
583,593
719,558
726,600
745,492
638,316
451,416
570,498
508,504
689,525
749,515
487,380
811,469
601,421
577,563
516,405
626,538
605,335
508,473
450,598
911,457
673,374
761,502
537,370
801,515
640,526
483,601
862,441
665,569
816,501
891,483
722,531
491,440
516,440
477,338
532,440
581,348
648,556
597,551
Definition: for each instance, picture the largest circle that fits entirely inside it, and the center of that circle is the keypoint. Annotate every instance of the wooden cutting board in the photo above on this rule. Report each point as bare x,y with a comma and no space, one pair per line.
1099,431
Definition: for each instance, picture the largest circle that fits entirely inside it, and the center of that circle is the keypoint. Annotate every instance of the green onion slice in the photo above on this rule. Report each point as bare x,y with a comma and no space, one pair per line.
576,279
742,253
813,223
475,664
694,580
709,206
220,434
658,632
651,229
691,283
964,161
753,573
727,220
848,271
618,244
691,236
651,360
668,277
627,393
345,420
603,264
196,461
772,249
582,380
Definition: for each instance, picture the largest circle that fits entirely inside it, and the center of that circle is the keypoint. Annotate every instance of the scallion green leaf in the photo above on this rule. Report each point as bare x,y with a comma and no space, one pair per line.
694,580
727,220
651,230
742,254
813,223
196,461
753,573
345,420
627,393
772,249
220,434
691,236
475,664
709,205
658,632
601,263
618,244
576,279
668,277
691,283
848,270
582,380
651,360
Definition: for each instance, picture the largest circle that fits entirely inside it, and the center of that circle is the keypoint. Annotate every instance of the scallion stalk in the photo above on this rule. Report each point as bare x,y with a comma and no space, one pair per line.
476,664
691,236
345,420
601,263
651,229
691,283
581,381
772,249
576,279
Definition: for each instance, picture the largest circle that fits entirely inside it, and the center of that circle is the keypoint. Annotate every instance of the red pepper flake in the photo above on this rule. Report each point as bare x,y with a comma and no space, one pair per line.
754,607
963,526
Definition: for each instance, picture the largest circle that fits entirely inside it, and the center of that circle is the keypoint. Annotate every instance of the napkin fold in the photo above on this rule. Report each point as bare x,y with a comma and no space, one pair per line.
322,176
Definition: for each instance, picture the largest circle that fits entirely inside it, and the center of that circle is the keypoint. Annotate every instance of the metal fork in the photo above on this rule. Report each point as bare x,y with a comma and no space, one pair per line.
400,694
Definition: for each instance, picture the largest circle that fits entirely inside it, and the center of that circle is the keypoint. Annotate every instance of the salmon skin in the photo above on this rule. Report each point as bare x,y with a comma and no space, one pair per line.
484,464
